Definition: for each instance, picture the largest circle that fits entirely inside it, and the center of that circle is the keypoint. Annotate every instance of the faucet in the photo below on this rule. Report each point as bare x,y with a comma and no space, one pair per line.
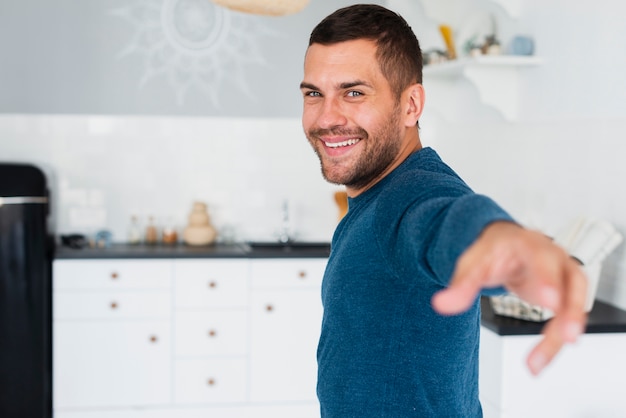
285,230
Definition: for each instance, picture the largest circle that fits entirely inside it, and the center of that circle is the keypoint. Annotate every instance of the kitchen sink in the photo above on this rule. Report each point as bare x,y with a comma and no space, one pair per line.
293,248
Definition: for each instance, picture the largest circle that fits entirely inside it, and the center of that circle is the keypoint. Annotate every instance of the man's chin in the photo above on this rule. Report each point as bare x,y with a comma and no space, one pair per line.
333,177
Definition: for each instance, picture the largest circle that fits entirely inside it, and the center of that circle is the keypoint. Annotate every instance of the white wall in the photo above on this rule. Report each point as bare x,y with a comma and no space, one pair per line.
564,155
105,169
562,158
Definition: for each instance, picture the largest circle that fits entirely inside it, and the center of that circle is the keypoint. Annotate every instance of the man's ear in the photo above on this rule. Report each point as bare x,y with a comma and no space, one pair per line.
413,100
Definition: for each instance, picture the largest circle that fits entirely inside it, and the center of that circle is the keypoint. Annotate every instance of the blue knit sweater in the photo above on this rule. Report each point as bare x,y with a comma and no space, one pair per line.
384,352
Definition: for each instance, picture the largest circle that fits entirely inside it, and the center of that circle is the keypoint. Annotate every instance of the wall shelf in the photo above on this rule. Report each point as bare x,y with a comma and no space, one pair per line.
496,78
512,7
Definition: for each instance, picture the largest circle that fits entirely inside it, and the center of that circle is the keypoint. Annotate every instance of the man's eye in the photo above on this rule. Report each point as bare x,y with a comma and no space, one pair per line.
353,93
312,94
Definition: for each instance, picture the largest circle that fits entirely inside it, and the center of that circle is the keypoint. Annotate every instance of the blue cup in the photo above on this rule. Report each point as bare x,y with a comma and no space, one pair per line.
522,45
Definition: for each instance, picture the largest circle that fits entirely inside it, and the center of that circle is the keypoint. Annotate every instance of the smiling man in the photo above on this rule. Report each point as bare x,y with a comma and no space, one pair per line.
400,333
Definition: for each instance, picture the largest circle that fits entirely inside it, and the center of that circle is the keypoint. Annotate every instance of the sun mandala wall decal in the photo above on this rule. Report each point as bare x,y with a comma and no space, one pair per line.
194,44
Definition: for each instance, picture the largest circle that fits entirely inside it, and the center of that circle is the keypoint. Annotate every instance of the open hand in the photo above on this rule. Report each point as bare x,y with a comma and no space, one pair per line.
530,265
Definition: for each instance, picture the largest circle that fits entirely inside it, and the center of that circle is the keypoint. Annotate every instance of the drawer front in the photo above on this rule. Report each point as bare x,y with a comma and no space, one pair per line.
111,305
211,283
218,380
272,273
211,333
112,274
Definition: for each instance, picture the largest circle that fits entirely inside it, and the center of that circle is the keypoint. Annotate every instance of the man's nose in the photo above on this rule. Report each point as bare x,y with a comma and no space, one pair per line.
331,114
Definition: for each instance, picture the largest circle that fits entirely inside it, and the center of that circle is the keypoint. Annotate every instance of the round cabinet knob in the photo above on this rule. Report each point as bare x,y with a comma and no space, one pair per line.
212,284
114,305
269,308
154,339
211,382
114,275
212,333
302,274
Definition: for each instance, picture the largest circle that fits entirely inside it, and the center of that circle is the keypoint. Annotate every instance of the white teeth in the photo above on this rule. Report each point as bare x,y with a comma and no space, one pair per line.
341,144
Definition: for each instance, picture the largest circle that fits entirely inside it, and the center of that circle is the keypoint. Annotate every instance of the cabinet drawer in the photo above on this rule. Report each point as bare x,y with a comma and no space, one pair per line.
111,364
210,381
112,274
211,333
287,273
111,305
211,283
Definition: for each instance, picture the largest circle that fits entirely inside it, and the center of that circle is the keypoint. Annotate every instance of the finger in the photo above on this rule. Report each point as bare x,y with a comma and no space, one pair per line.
570,309
543,281
575,295
466,283
567,324
544,352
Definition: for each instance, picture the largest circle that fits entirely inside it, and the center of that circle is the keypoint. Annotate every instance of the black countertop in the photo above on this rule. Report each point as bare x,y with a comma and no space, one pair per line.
242,250
603,318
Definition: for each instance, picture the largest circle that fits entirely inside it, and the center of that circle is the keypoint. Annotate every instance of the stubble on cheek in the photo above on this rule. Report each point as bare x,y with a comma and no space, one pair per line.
340,170
327,168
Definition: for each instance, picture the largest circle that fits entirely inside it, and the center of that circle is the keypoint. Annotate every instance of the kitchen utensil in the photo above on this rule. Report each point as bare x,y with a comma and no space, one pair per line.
341,198
448,38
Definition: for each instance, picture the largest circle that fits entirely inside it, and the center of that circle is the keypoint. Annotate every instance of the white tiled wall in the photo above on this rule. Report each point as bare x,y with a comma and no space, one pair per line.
104,169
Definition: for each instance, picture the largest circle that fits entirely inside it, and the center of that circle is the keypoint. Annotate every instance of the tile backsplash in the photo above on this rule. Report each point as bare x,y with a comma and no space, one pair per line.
104,169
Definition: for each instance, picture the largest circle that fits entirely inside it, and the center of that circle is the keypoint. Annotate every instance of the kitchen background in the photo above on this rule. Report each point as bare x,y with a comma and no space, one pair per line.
141,107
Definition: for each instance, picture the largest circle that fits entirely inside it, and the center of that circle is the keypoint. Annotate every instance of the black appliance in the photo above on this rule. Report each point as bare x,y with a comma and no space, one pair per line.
25,293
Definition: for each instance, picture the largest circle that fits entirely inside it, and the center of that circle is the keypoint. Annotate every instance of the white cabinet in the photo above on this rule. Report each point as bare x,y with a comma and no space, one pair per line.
211,331
111,335
286,313
585,380
217,333
211,284
146,338
209,380
111,364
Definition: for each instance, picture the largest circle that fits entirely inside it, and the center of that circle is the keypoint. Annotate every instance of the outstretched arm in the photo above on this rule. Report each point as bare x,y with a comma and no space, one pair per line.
530,265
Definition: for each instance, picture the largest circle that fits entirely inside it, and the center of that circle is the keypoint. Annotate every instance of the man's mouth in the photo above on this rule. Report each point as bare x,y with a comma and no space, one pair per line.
346,143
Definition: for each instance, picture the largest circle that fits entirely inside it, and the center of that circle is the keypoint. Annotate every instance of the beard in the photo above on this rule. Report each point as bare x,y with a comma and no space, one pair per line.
379,150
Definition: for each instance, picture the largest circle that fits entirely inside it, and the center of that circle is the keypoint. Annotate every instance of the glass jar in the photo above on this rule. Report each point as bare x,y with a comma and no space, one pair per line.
152,233
133,235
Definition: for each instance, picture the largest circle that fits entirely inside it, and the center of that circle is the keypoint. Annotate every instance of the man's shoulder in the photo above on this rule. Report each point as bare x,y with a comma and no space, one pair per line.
423,176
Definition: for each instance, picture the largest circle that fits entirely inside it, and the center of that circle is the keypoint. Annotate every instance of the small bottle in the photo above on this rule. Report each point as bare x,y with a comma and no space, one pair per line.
169,234
134,231
152,234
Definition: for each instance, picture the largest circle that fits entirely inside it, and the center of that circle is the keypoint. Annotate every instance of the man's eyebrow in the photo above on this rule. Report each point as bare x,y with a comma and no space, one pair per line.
342,86
355,83
305,85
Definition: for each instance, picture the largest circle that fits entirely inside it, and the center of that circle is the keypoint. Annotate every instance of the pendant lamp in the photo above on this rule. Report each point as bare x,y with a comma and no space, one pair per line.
264,7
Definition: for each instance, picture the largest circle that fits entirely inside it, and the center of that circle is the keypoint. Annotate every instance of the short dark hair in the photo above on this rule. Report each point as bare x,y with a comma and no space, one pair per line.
398,51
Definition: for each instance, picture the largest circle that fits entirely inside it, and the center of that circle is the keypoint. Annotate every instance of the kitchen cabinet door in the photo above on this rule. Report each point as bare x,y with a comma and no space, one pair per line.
586,379
111,363
285,329
285,322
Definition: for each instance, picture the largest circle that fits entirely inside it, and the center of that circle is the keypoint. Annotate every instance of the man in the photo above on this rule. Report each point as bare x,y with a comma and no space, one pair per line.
401,320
